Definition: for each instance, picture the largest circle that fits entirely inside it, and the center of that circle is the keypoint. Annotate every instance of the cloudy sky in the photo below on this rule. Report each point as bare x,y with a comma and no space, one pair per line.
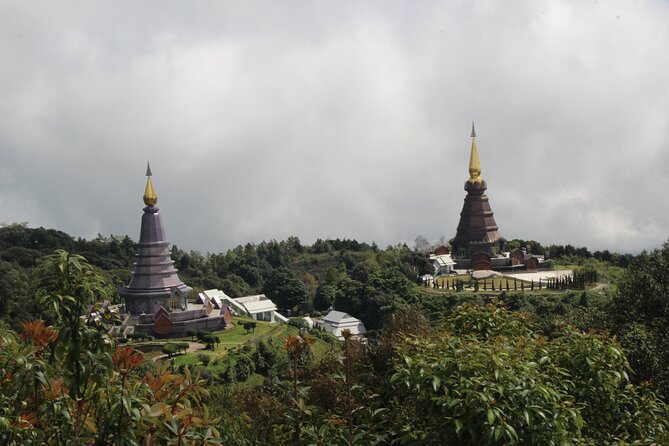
337,118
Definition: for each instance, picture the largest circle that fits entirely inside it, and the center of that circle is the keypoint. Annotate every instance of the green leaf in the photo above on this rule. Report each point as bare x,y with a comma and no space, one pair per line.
458,425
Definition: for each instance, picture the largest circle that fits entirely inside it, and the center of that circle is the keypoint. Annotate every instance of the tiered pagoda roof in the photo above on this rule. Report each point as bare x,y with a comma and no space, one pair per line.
154,283
477,230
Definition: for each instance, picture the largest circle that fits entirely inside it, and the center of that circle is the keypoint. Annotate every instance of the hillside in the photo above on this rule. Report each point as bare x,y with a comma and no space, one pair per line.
502,367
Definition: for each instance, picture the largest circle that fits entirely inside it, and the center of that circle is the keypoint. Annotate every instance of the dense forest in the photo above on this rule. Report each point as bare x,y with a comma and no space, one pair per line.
439,367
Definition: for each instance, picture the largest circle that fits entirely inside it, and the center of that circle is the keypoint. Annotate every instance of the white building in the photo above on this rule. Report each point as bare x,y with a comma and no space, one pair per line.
258,306
309,321
215,297
443,264
336,321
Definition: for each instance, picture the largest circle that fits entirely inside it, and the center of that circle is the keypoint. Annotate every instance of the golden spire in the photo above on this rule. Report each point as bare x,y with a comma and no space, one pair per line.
150,197
474,163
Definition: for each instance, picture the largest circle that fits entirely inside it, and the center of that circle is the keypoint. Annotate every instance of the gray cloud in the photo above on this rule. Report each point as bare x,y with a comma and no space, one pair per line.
269,119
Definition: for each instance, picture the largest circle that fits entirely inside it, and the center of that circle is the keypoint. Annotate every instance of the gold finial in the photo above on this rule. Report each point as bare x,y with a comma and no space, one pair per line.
150,197
474,163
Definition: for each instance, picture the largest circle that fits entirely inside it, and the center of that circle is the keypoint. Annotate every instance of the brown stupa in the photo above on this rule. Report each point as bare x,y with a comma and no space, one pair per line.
477,239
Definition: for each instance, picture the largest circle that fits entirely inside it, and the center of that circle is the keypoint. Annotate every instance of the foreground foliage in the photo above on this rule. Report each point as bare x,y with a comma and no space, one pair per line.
640,317
488,378
68,384
483,376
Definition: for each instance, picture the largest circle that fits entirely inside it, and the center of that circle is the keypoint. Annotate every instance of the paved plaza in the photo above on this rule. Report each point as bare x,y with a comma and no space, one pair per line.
543,275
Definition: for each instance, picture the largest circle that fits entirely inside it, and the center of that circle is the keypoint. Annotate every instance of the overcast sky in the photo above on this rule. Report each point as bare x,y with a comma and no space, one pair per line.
326,119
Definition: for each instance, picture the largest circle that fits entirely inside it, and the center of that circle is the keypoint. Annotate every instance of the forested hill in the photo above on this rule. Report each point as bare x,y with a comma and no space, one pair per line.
356,277
299,278
439,366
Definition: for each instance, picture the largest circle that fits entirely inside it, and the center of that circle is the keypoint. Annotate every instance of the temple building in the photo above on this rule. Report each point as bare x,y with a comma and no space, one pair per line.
155,298
335,322
477,244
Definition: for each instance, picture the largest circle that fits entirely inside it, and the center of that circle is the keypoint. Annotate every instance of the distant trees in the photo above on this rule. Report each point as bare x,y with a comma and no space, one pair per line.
422,245
325,295
234,286
23,248
536,247
569,250
286,290
378,293
14,286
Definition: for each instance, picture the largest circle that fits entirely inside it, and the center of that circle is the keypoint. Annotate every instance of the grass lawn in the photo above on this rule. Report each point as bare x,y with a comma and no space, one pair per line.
237,337
188,359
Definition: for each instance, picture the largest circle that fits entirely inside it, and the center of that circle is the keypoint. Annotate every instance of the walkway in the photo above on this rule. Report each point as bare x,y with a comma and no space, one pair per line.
543,275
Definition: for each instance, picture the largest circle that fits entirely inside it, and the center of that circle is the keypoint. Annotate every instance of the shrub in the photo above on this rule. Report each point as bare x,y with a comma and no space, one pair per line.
169,349
298,322
204,359
210,340
200,334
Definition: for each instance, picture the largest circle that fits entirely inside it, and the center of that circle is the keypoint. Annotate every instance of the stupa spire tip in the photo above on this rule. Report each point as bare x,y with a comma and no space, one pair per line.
474,163
150,196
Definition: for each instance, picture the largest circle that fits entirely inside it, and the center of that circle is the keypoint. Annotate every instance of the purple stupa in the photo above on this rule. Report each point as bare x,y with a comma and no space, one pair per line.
154,283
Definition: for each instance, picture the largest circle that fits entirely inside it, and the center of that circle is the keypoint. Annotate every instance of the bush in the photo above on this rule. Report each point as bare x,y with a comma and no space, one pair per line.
136,336
228,375
210,340
489,378
244,368
170,349
265,356
204,359
298,322
203,372
200,334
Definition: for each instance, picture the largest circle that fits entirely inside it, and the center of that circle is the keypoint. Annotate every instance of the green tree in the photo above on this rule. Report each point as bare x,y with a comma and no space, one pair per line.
210,340
67,285
640,312
325,296
286,290
234,286
169,349
14,303
265,356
